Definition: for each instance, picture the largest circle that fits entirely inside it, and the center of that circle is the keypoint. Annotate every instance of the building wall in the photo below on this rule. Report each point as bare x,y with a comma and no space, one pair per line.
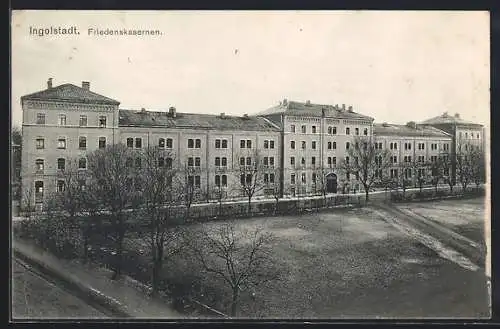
51,131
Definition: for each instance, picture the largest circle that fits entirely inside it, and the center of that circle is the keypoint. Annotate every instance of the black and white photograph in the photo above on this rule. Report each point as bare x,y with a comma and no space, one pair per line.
299,165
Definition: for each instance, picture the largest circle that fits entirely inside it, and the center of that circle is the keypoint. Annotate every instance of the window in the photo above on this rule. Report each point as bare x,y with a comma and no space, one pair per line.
129,162
169,162
38,190
365,131
61,164
224,161
224,180
138,162
60,186
190,162
421,158
334,145
197,143
82,163
197,161
356,131
102,142
40,118
292,145
407,146
421,146
356,145
190,143
292,128
82,142
102,121
394,173
242,144
169,143
303,161
347,145
224,143
266,144
314,178
271,144
130,142
39,166
249,161
313,129
217,162
466,135
217,180
161,142
329,145
249,144
394,159
266,178
217,144
197,181
191,180
334,131
356,161
242,161
347,160
138,142
40,143
313,161
161,162
334,161
61,143
347,131
330,161
446,147
477,136
303,145
329,130
433,158
271,178
62,119
292,161
303,129
83,121
303,178
292,178
313,145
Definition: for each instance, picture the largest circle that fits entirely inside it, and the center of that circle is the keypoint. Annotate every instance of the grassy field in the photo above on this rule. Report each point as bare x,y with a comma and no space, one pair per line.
351,264
35,298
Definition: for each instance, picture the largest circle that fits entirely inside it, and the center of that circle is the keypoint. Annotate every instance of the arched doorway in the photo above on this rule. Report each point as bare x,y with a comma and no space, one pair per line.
331,183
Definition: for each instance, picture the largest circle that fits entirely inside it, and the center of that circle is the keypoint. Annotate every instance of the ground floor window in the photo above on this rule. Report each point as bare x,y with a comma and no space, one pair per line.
38,191
60,186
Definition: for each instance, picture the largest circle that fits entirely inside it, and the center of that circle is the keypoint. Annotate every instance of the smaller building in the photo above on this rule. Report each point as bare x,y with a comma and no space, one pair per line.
412,147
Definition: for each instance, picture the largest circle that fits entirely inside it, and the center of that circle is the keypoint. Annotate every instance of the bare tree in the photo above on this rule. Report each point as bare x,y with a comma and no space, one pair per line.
158,204
110,172
436,171
274,186
364,159
469,164
249,175
478,162
445,161
189,189
240,258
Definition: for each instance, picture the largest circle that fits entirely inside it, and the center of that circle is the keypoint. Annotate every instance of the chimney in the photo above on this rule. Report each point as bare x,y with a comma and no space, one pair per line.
49,83
223,115
457,115
143,110
343,107
308,102
245,116
445,114
86,85
411,124
349,109
172,111
385,124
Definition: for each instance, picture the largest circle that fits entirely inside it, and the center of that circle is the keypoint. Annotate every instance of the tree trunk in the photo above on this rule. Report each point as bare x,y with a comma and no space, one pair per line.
249,205
234,303
119,254
85,247
157,266
367,193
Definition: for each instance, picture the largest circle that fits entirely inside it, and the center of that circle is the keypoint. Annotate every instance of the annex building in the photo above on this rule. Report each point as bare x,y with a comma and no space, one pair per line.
298,144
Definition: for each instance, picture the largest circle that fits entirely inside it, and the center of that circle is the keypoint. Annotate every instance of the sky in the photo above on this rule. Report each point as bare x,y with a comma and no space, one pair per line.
394,66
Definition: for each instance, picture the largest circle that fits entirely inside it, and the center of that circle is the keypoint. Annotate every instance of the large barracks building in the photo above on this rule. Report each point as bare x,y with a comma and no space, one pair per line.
291,140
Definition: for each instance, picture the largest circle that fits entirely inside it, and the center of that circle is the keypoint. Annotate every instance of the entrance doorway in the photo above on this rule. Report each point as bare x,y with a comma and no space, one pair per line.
331,183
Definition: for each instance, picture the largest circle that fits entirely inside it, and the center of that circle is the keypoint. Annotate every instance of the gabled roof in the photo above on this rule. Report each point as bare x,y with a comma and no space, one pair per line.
387,129
131,118
445,118
70,93
315,110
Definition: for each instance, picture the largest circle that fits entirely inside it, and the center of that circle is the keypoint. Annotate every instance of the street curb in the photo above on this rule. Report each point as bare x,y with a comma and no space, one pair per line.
82,290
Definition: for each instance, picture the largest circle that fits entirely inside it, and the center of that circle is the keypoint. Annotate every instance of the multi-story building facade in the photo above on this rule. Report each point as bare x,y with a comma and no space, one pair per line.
464,134
68,122
315,141
299,146
412,147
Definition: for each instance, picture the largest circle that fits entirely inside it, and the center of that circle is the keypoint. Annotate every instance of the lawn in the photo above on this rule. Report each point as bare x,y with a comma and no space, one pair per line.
349,263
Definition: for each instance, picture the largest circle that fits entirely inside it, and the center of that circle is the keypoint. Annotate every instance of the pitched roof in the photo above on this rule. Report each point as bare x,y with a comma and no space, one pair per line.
310,109
385,129
70,93
131,118
445,118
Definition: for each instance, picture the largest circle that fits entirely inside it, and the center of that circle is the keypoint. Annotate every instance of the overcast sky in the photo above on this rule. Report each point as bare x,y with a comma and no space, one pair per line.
394,66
